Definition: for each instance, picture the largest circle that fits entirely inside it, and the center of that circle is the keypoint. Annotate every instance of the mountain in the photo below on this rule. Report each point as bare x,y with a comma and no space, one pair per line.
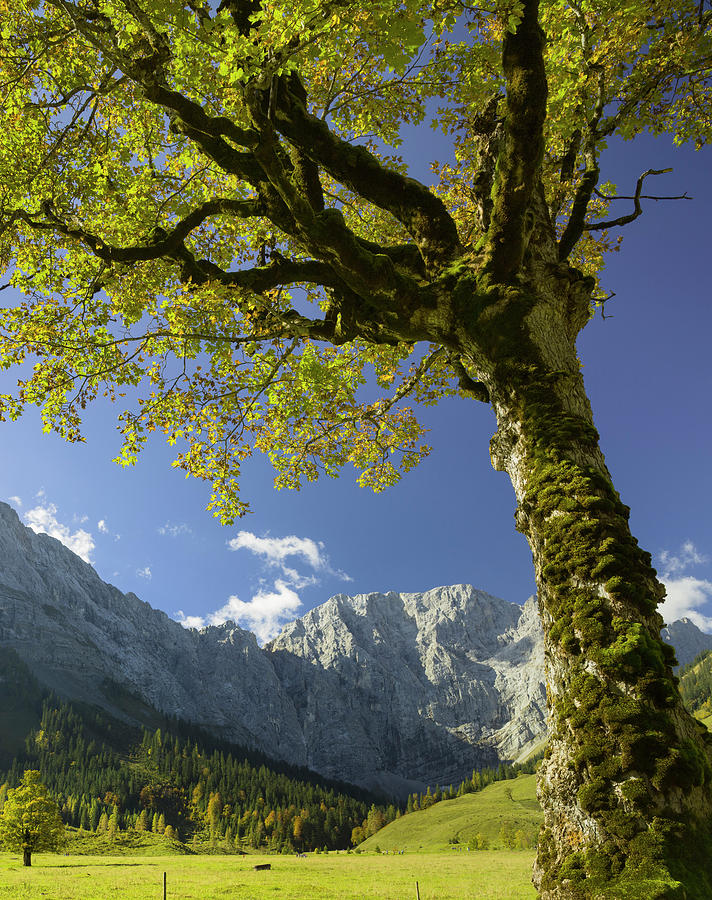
391,691
81,636
687,639
417,686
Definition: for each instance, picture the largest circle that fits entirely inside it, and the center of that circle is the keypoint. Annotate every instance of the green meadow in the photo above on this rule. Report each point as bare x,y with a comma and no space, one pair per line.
435,856
486,875
510,806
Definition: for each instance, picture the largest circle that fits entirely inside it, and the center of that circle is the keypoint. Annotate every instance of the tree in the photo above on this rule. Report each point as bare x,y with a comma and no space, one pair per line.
171,173
30,819
113,825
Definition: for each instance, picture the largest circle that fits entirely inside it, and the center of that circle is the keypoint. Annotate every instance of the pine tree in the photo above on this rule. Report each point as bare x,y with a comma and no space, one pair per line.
113,828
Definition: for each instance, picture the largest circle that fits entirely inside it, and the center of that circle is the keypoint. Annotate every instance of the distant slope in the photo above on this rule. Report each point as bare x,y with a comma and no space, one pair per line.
98,768
20,705
696,687
511,804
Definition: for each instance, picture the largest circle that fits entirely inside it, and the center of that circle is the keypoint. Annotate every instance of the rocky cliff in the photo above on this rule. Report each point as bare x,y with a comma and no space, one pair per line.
687,639
80,635
409,685
385,690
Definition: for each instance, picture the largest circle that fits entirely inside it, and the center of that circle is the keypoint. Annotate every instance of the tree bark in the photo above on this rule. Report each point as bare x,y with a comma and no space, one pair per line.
625,784
26,857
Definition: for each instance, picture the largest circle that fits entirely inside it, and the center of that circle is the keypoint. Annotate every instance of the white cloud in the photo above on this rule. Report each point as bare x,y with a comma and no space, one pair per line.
101,525
191,621
276,550
688,556
171,529
264,615
684,598
686,595
43,520
274,605
15,501
145,573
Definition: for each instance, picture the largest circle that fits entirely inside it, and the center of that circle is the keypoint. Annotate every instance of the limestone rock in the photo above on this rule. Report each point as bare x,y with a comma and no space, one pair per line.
82,637
391,691
687,639
399,688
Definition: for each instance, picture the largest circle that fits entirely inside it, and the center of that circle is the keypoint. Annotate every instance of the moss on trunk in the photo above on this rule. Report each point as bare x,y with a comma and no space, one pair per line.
625,784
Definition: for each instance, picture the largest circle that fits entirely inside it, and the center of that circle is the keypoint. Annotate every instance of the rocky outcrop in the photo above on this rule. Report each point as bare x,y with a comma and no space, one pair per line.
395,691
403,686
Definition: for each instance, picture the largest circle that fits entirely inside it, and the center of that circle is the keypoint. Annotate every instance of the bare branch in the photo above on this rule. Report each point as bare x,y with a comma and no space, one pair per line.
624,220
603,196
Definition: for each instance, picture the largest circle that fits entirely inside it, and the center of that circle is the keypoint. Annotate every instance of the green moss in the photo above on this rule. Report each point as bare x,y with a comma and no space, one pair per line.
595,795
617,708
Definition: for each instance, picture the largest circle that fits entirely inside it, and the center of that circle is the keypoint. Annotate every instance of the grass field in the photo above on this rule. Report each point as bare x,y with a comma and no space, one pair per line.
435,856
485,875
511,802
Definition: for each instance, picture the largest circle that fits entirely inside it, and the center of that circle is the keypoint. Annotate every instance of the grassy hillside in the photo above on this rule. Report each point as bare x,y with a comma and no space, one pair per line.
510,805
696,687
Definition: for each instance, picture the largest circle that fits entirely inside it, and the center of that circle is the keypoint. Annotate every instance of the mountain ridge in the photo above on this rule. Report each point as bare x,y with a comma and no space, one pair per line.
388,691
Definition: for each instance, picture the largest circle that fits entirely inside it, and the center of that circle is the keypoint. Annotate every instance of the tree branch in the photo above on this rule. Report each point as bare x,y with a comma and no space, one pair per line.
638,209
575,226
467,384
522,146
165,243
422,213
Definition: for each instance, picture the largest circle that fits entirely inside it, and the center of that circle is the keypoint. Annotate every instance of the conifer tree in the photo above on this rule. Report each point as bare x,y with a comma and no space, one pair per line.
113,828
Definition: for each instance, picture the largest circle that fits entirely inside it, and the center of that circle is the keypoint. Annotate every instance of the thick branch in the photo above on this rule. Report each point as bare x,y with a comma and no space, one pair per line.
422,213
522,146
576,224
324,233
280,271
467,384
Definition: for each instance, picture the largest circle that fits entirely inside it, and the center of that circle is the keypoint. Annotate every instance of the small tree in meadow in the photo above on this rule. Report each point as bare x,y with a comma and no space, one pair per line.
30,819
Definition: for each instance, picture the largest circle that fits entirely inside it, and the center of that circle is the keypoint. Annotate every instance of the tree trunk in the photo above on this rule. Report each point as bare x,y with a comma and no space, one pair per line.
26,857
625,784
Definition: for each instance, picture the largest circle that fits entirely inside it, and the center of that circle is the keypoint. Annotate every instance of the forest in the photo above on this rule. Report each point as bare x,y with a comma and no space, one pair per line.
109,778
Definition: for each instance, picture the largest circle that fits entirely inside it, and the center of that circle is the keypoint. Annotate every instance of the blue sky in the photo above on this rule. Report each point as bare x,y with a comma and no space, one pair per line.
647,371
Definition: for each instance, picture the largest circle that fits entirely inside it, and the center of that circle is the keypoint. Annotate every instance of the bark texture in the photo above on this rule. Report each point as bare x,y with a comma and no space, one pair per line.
625,784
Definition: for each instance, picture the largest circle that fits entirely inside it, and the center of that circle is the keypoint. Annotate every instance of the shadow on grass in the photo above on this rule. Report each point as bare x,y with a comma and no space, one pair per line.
86,865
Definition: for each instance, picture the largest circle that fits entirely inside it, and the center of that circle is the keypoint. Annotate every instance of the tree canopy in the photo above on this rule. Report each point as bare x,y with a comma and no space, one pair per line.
205,204
205,214
30,819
